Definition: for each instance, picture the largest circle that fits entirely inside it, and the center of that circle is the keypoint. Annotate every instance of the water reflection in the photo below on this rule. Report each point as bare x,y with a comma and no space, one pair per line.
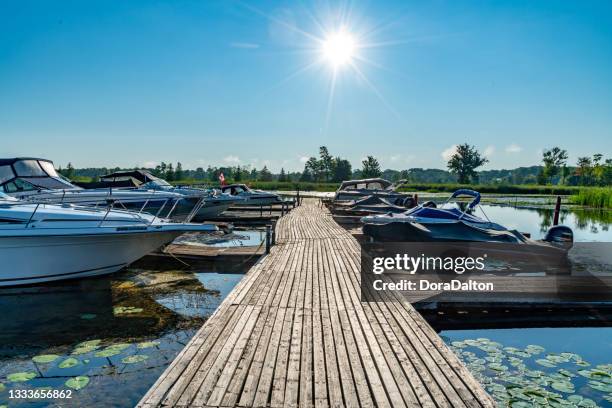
116,333
588,225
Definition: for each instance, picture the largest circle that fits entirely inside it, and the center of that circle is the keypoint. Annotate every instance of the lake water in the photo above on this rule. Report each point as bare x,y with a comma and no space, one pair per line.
114,336
562,367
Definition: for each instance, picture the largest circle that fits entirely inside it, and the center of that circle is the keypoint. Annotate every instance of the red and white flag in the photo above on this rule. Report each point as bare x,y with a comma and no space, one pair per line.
221,179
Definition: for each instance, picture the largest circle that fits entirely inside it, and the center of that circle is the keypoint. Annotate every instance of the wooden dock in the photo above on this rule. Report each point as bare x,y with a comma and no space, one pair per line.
294,333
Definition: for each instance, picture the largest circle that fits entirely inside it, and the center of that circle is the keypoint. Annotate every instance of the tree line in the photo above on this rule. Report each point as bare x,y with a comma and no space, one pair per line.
462,167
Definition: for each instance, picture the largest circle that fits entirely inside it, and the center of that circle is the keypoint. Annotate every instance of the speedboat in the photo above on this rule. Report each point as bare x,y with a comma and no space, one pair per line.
356,189
250,196
36,179
214,201
373,205
41,242
427,223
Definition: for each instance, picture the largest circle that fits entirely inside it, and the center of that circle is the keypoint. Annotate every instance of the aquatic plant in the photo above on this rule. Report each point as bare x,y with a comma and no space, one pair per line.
122,310
21,376
147,344
136,358
68,363
45,358
77,383
112,350
2,387
507,374
594,197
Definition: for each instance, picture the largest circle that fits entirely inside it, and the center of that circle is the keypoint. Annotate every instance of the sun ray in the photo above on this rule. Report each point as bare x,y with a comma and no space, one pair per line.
374,89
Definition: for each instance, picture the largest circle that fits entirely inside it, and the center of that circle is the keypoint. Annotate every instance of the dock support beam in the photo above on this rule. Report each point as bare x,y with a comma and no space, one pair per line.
557,211
268,238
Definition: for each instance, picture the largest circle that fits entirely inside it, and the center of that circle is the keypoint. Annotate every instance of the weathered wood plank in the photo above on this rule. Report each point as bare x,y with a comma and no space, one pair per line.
294,332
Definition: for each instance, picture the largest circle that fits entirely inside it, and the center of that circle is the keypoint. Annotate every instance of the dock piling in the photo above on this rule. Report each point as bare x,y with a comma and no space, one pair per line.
557,211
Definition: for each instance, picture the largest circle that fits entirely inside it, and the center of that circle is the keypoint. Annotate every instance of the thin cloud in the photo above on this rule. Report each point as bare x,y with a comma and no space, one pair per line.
231,159
246,45
489,151
448,153
304,159
514,148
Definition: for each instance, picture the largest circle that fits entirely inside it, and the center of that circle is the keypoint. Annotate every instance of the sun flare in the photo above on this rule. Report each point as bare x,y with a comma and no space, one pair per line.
339,48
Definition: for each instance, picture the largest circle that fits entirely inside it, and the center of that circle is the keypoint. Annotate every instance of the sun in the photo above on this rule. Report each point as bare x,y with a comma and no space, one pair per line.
339,48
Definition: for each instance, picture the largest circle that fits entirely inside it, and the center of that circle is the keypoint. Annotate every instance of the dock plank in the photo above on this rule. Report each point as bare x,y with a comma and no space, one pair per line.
294,332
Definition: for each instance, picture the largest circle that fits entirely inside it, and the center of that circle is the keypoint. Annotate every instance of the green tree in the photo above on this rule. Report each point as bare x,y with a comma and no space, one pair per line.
584,170
282,177
553,160
371,168
169,175
199,174
464,163
341,170
69,172
306,176
178,173
265,174
326,163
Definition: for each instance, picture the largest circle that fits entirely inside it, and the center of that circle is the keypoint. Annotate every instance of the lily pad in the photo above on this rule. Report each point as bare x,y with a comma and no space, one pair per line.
88,343
563,386
147,344
600,386
137,358
45,358
77,383
119,310
21,376
112,350
68,363
546,363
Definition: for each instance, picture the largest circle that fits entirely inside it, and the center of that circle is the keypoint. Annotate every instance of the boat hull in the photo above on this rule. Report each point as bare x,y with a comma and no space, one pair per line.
35,259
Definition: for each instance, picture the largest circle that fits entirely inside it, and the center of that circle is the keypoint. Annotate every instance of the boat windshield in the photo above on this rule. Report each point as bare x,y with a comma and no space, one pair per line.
156,183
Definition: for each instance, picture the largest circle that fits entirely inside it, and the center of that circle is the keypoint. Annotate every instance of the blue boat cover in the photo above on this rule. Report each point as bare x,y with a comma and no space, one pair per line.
447,214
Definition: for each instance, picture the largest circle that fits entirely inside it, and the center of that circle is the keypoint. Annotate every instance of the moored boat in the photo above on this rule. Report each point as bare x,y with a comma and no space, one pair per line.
41,242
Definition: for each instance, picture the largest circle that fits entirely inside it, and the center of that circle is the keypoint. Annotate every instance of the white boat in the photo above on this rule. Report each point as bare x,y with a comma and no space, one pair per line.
214,201
42,242
251,197
353,190
36,179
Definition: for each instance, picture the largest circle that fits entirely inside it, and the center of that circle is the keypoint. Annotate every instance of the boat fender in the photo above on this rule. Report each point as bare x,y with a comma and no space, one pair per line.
429,204
559,234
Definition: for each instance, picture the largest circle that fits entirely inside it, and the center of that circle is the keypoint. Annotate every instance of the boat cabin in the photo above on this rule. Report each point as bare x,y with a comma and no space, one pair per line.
365,184
24,174
235,189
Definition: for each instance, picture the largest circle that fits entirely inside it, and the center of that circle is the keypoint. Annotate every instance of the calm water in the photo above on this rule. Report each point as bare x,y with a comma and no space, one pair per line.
114,335
523,367
117,334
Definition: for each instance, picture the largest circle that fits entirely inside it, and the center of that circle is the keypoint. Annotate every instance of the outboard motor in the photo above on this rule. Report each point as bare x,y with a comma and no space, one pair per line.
560,235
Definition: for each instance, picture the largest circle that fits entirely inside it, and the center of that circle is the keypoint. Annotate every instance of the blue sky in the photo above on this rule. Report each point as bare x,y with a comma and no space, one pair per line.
221,82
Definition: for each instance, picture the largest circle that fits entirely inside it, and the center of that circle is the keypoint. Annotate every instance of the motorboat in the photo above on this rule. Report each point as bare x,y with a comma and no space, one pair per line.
36,179
356,189
42,242
373,205
250,196
428,223
214,201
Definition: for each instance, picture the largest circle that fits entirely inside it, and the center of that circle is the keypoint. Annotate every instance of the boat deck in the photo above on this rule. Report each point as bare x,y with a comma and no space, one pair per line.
294,333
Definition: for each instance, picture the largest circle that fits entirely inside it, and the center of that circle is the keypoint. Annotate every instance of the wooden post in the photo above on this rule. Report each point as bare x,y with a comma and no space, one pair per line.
274,232
282,209
268,239
298,195
557,211
416,200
